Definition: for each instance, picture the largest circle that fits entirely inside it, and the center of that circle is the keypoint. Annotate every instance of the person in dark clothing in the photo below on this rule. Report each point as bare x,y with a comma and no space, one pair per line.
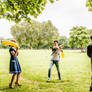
14,68
89,53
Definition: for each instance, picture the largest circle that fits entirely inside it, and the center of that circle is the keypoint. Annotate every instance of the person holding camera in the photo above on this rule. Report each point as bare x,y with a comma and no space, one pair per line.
55,59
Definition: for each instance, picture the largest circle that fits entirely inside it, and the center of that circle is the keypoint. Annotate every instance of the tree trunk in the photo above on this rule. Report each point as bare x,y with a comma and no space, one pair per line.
38,45
31,46
48,46
82,50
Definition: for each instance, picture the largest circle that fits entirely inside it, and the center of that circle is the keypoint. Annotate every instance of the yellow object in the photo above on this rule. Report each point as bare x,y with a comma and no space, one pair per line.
62,54
5,42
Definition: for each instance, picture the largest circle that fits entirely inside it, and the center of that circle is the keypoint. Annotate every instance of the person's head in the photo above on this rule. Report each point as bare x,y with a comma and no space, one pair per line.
13,41
55,43
91,38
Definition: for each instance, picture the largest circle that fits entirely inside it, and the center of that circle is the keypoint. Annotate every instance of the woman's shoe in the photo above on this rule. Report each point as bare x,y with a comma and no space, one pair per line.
48,80
11,86
18,84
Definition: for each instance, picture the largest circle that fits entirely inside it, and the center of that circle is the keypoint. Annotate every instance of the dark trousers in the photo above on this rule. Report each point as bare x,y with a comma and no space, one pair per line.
91,71
91,76
56,62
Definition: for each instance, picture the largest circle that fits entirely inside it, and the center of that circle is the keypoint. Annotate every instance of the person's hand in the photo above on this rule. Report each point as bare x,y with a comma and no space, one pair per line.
56,47
17,48
61,46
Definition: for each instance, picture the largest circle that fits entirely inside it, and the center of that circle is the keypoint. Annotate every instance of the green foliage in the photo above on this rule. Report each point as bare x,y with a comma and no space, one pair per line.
89,4
35,34
90,32
17,10
79,37
3,46
50,32
64,40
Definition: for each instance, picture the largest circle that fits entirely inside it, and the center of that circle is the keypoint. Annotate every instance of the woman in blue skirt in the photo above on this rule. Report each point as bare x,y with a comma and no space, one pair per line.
15,68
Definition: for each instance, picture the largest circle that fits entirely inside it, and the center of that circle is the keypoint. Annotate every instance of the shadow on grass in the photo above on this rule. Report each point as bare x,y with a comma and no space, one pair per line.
5,88
60,81
8,88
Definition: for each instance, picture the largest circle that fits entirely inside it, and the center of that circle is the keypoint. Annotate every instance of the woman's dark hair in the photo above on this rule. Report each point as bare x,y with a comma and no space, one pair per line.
13,41
91,37
56,41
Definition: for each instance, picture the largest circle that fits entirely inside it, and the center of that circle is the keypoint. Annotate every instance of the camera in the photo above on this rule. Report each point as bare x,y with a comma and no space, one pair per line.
53,49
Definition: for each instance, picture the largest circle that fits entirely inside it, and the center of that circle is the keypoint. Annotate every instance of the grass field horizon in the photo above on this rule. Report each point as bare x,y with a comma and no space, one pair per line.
75,72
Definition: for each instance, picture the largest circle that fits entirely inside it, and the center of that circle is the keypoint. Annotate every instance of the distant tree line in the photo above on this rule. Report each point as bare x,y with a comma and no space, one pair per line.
39,35
35,35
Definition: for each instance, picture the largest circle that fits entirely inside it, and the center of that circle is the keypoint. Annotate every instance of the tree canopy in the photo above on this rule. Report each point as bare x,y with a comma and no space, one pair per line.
90,31
35,34
17,10
89,4
79,37
64,40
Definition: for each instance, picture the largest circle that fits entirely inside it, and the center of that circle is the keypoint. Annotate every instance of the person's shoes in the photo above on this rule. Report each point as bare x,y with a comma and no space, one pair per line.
48,79
18,84
11,86
60,79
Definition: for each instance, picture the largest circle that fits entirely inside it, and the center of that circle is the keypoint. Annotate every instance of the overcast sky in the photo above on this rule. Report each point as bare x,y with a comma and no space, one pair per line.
64,14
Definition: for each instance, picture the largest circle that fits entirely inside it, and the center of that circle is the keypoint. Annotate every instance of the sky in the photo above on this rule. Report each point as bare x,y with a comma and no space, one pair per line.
64,14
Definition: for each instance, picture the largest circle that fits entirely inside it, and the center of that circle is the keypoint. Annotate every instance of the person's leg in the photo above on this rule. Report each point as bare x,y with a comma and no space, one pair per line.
49,71
58,69
17,79
11,83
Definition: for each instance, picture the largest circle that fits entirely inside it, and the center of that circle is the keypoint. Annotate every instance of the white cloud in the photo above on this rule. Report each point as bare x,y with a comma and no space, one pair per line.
5,26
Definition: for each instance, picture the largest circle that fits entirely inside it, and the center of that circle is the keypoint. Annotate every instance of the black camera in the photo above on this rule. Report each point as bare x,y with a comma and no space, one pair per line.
89,50
53,49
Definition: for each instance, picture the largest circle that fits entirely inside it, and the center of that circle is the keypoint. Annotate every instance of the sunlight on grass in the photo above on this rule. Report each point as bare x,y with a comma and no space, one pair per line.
75,72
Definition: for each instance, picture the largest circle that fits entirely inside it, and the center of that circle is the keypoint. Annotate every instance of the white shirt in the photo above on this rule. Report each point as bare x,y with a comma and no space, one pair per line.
55,55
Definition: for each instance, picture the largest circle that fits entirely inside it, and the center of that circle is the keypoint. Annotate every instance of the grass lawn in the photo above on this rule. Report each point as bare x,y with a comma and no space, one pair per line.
75,72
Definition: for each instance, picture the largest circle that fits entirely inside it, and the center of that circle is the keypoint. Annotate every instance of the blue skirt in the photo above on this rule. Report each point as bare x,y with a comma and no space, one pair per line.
14,66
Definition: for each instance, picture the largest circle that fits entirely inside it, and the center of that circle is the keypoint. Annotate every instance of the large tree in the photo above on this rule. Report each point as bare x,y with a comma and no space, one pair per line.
25,33
17,10
79,37
34,34
50,32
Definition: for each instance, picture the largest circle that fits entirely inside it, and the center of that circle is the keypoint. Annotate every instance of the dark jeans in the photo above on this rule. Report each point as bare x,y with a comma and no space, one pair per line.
56,62
91,76
91,71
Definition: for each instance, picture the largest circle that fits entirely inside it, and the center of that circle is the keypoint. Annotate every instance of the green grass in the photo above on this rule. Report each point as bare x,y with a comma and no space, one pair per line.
75,72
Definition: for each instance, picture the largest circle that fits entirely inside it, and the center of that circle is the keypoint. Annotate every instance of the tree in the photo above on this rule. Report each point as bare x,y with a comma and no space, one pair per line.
39,34
35,34
89,4
24,33
17,10
64,40
79,37
89,31
50,32
3,46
